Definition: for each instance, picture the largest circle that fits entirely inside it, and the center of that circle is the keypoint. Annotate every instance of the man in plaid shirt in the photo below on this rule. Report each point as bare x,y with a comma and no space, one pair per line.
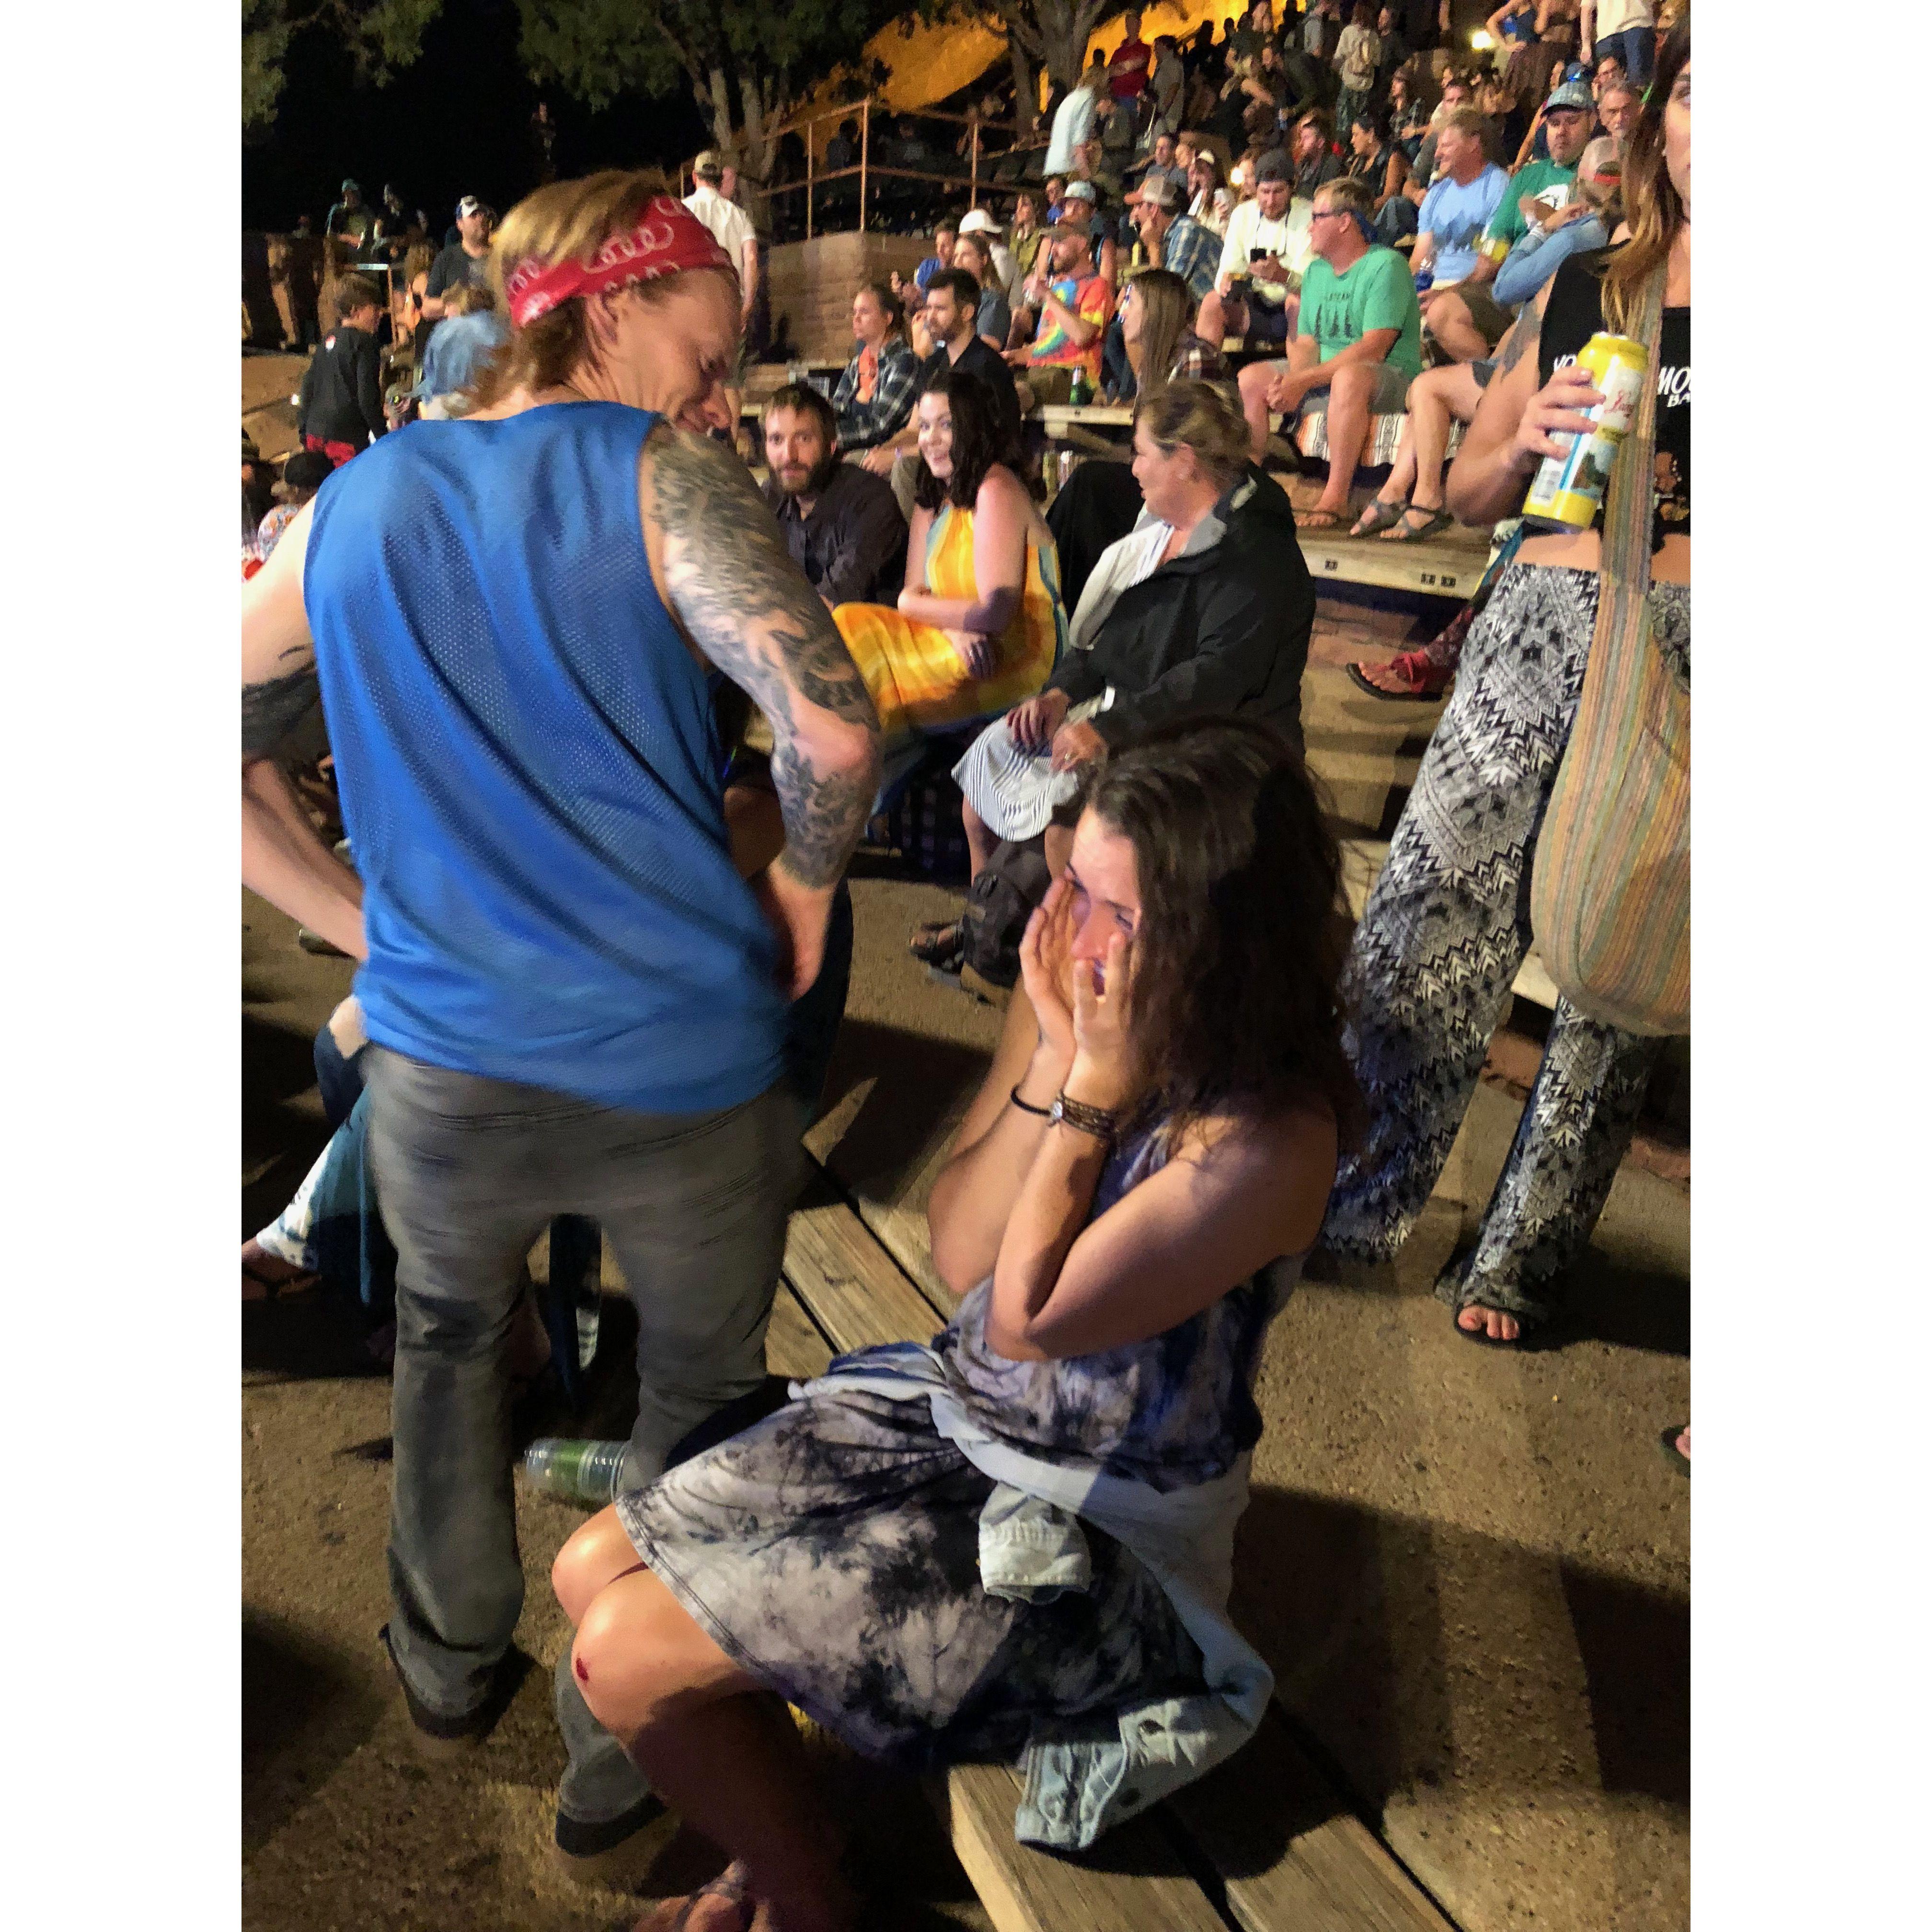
1173,240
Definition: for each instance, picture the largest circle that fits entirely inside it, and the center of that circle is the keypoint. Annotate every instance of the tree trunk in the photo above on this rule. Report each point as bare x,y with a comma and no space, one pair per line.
757,161
1026,87
722,130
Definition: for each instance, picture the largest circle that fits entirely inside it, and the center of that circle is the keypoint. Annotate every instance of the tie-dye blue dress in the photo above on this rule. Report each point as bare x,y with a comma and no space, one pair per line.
833,1550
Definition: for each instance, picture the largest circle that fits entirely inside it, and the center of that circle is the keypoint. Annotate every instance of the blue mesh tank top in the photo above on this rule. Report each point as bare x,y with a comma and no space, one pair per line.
529,771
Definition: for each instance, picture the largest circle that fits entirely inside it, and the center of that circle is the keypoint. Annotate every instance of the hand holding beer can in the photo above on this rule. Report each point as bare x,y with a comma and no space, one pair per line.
1568,489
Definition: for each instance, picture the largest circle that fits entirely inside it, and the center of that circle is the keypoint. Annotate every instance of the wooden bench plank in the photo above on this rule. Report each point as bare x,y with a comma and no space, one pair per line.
849,1283
1144,1887
1289,1851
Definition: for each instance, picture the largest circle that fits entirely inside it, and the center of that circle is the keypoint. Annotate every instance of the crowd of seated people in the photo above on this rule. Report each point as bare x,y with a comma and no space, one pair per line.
1140,720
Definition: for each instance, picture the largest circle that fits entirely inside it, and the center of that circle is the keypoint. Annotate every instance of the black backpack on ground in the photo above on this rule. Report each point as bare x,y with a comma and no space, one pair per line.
1013,881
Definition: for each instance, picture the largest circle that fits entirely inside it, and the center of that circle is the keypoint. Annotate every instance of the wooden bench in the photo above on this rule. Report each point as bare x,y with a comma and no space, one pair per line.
1264,1843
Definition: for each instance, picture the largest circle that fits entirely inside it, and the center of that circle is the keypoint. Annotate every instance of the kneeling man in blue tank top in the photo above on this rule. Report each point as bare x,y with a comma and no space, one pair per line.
575,1004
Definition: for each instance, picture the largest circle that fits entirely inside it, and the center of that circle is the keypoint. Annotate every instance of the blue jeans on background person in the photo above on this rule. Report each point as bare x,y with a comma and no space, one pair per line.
1636,47
1398,218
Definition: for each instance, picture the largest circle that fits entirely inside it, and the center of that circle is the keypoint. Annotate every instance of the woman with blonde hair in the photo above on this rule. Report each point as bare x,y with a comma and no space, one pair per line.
574,1003
1204,606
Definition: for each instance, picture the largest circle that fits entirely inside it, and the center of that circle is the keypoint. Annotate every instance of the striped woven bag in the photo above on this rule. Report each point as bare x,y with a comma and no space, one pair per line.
1610,896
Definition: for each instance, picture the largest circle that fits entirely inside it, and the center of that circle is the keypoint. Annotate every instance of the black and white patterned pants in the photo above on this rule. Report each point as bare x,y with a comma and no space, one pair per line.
1444,934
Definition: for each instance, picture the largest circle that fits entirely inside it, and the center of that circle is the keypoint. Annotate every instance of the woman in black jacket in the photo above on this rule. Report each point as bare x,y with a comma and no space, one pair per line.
1204,608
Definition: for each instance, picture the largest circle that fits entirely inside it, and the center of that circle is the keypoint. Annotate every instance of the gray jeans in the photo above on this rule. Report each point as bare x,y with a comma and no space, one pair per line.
469,1172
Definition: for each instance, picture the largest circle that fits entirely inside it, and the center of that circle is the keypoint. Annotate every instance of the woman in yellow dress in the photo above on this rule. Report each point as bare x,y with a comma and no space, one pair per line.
980,624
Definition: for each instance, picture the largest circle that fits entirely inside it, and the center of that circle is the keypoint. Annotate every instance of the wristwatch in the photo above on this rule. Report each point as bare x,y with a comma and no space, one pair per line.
1098,1121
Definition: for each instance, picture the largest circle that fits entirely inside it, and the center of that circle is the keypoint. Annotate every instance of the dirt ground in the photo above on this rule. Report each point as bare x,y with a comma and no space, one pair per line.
1470,1569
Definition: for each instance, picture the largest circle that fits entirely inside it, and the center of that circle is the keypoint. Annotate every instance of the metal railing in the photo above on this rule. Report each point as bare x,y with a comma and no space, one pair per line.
885,184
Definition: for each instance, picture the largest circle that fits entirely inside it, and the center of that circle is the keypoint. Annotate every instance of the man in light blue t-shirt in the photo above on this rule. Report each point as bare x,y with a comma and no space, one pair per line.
1468,188
1357,345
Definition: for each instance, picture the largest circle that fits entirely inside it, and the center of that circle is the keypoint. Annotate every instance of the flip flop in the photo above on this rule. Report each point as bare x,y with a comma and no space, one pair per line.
1439,521
934,944
1378,517
1674,1456
731,1885
1356,673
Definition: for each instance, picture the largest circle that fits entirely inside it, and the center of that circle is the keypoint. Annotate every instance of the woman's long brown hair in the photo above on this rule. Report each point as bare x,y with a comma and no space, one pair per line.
1650,204
1163,298
1238,955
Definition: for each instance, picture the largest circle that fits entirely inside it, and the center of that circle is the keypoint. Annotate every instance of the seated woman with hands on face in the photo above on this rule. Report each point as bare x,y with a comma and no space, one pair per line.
1016,1543
980,624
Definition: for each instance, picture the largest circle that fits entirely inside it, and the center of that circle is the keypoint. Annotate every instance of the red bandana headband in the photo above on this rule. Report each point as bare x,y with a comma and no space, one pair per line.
667,240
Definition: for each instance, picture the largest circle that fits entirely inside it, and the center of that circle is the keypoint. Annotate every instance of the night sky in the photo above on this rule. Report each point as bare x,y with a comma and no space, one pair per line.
456,123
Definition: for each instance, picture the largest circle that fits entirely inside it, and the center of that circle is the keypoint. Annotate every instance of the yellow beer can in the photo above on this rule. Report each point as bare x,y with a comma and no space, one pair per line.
1568,489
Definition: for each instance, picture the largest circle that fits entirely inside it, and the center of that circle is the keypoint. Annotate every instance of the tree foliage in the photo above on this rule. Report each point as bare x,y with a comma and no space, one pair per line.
383,36
1053,33
748,62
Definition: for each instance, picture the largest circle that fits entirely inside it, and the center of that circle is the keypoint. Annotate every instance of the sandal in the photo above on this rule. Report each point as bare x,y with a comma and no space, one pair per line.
1427,681
1320,519
935,944
1378,517
1674,1456
733,1885
1402,532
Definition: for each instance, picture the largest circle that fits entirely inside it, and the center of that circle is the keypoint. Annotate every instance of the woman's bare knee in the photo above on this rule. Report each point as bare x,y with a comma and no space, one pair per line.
638,1654
595,1555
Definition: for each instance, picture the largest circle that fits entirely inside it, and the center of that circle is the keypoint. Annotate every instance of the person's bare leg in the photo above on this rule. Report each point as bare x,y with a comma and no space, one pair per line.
1450,323
1436,398
1220,320
1350,395
716,1746
596,1554
1401,472
980,839
1253,383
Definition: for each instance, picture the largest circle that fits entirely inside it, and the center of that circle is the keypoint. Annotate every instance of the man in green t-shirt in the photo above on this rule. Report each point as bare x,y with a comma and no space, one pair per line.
1467,319
1357,343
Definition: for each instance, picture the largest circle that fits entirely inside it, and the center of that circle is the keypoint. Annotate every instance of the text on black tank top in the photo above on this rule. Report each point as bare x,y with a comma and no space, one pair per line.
1574,313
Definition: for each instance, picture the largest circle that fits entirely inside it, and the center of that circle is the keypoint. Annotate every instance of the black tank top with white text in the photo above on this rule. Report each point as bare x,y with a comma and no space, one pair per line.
1574,314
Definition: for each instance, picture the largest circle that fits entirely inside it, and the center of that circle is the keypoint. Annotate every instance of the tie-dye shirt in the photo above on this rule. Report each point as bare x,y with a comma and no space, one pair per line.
1053,347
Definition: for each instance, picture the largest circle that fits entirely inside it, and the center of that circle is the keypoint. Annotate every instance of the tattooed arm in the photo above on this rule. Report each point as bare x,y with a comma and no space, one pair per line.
1510,435
726,576
282,858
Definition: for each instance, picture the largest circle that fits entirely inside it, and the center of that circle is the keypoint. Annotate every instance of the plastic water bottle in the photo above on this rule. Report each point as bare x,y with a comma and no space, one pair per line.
575,1468
1425,280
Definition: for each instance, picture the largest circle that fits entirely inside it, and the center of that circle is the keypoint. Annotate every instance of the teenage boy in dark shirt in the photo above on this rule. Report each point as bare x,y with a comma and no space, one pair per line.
340,405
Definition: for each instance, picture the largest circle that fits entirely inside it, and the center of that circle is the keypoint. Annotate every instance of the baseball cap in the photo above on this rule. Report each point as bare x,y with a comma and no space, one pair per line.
710,158
1160,191
1572,94
347,185
1079,190
469,204
1601,161
1274,166
978,221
